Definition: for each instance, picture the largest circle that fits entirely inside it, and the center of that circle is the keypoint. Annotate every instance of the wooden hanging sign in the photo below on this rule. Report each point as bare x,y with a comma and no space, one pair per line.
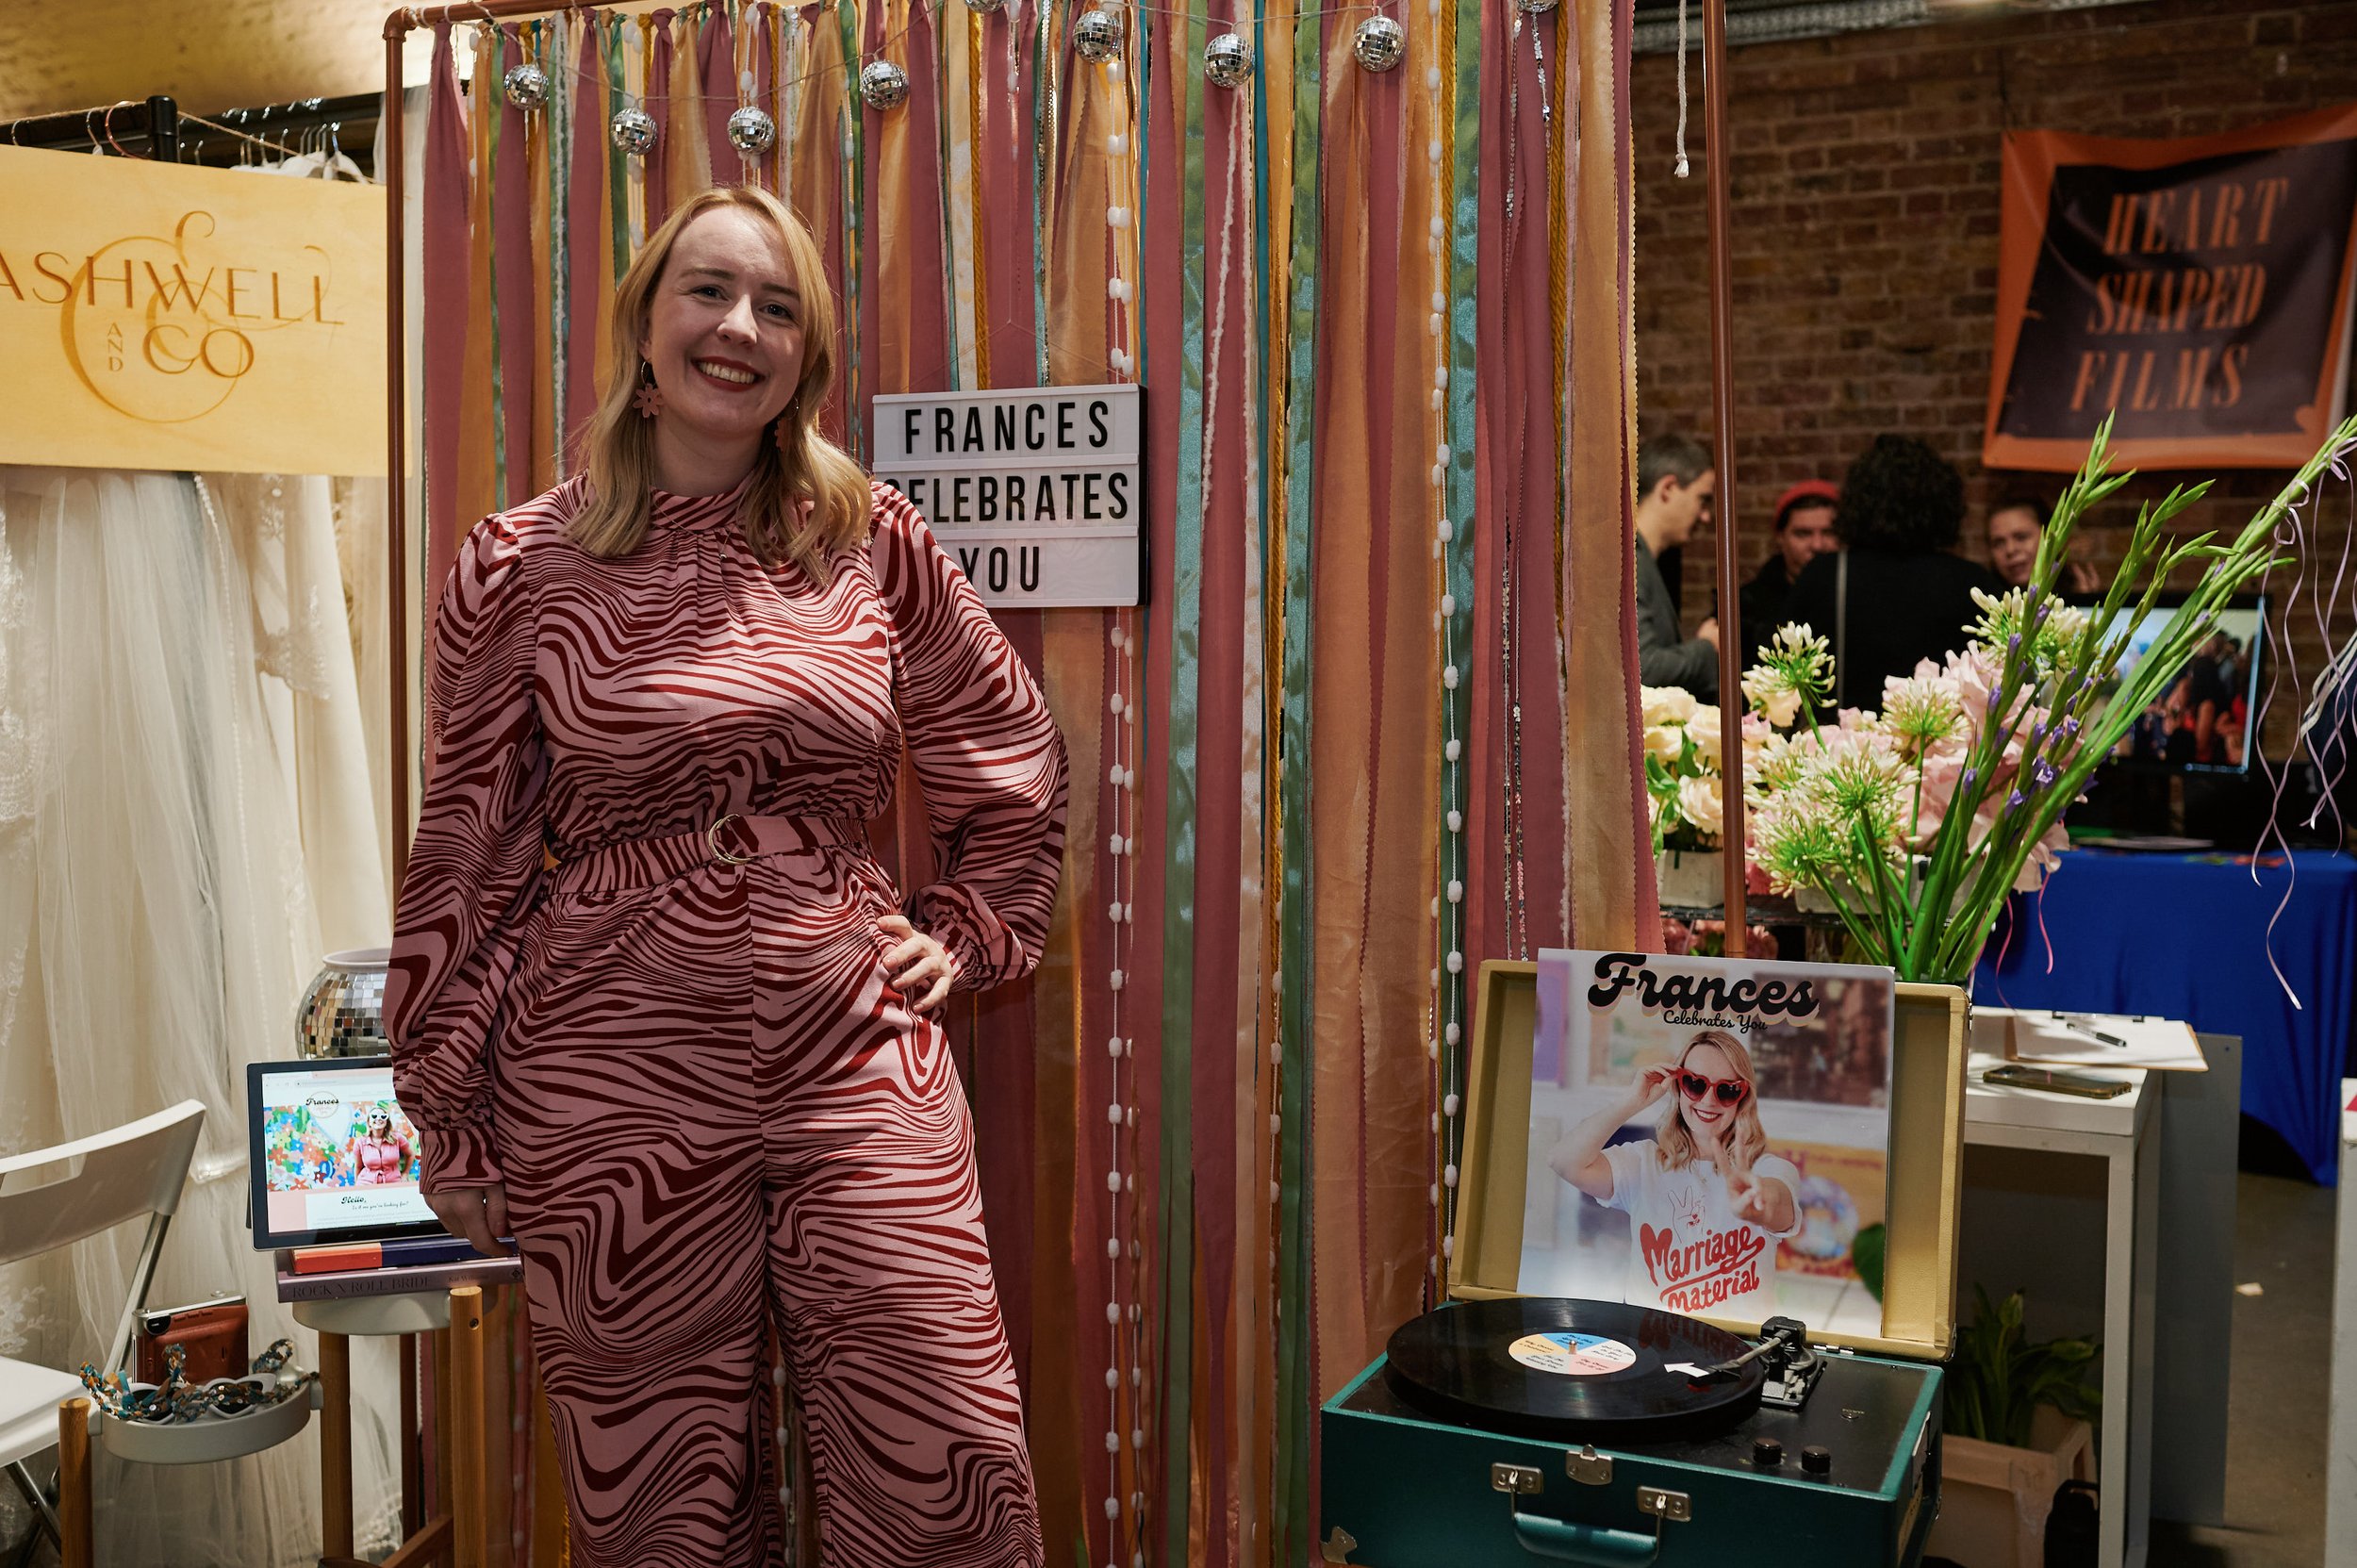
164,316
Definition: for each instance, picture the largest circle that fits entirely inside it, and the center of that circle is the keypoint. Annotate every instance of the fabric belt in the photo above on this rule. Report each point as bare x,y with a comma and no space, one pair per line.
733,840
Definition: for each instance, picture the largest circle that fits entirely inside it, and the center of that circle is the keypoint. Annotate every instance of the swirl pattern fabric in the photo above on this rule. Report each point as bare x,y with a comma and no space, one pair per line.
712,1110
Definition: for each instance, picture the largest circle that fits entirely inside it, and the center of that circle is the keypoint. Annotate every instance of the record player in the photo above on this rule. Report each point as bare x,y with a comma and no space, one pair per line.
1724,1443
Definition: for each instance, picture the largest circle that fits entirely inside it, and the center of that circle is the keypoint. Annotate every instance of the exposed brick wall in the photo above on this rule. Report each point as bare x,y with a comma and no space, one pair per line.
1864,198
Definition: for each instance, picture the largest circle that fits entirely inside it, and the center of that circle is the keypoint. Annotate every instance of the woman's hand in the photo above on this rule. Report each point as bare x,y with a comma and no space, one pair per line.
920,967
1651,1084
1766,1204
477,1213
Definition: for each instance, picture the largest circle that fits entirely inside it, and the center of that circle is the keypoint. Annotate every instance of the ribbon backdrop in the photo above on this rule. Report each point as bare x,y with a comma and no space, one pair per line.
1270,1152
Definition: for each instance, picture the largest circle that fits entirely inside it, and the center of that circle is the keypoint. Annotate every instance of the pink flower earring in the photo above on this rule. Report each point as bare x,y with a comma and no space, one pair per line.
649,398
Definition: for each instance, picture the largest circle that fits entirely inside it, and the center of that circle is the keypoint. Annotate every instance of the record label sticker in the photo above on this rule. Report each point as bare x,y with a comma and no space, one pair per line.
1573,1354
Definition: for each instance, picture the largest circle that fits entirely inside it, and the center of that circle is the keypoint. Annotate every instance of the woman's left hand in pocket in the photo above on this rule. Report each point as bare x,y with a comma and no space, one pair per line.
920,967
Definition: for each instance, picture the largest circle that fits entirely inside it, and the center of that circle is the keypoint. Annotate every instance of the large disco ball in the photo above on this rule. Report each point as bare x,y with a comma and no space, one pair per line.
343,1014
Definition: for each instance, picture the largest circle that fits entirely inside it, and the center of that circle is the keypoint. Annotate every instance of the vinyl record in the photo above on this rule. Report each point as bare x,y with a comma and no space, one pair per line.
1588,1370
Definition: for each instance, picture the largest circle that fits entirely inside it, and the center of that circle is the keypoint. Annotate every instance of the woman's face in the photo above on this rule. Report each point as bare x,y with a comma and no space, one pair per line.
724,326
379,1124
2013,545
1707,1117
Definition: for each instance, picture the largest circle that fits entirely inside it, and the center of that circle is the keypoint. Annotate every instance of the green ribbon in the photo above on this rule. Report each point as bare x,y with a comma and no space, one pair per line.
616,160
1186,613
1295,1522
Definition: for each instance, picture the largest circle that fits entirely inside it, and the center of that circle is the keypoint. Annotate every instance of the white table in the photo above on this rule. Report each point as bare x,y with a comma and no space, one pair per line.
2119,1134
2340,1464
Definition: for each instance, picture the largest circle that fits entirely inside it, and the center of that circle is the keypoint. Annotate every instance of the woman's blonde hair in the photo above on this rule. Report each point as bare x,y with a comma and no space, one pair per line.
803,466
1747,1142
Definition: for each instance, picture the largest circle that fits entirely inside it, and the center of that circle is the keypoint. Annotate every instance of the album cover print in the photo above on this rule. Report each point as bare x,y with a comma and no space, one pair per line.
1709,1136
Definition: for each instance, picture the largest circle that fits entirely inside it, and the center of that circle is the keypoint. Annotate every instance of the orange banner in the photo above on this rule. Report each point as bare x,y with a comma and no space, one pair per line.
2197,288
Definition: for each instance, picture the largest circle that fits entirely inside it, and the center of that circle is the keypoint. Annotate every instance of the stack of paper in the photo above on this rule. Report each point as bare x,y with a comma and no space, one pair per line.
2054,1039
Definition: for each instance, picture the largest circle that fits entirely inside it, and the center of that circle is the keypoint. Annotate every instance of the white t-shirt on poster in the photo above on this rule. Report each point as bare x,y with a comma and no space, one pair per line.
1688,1252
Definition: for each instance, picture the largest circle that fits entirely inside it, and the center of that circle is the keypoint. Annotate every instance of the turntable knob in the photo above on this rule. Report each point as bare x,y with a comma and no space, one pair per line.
1817,1461
1767,1451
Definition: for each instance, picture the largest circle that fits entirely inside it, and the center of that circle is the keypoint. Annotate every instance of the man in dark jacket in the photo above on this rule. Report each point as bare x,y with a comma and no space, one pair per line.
1804,532
1675,481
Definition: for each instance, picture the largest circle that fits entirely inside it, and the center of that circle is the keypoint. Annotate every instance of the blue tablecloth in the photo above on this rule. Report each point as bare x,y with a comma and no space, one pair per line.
2186,936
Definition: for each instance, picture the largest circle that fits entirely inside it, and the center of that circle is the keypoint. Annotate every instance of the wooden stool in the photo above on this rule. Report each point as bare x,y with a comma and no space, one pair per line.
457,1537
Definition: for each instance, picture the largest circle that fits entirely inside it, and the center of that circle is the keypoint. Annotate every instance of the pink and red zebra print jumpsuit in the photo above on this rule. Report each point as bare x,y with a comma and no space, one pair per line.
705,1099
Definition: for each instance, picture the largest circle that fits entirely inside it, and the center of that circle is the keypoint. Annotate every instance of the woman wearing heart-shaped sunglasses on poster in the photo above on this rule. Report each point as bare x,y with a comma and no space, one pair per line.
1707,1202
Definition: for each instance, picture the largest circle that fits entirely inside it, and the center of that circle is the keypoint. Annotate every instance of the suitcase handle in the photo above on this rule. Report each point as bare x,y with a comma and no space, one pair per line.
1566,1541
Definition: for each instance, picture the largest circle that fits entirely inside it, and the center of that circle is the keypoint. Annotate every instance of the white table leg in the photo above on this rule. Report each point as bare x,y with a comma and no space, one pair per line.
2117,1331
2143,1300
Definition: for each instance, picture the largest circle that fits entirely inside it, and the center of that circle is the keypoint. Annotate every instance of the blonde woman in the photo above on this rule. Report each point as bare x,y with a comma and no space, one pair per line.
657,1010
1707,1202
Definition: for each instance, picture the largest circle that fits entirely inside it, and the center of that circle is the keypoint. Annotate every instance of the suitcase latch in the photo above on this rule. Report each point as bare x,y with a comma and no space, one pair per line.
1663,1504
1588,1467
1516,1480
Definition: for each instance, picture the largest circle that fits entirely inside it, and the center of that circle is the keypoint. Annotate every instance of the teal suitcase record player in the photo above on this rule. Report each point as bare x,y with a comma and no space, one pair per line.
1723,1442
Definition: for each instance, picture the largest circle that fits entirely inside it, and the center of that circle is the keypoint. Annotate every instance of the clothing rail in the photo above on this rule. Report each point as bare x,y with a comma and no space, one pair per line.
158,129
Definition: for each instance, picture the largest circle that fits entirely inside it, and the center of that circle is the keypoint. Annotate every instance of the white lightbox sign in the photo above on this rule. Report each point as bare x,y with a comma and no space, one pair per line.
1033,491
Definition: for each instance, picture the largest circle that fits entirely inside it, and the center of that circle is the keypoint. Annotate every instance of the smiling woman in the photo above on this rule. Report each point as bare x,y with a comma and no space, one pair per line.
655,1007
723,334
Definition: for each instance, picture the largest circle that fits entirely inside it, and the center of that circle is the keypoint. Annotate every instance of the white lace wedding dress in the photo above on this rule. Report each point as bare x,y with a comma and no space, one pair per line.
187,821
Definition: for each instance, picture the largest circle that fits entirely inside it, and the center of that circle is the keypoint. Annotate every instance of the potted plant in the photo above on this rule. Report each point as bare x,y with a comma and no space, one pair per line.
1683,794
1917,822
2018,1423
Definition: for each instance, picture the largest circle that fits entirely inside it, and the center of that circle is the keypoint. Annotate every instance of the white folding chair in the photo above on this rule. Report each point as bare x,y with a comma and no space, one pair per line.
53,1197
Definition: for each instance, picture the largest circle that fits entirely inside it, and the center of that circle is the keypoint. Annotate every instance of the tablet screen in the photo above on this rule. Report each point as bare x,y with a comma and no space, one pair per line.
334,1158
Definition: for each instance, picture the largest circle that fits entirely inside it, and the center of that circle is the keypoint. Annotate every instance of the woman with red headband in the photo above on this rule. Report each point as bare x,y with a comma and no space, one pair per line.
1707,1202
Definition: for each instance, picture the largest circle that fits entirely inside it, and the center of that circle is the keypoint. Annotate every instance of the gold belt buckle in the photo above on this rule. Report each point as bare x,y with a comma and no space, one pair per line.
712,842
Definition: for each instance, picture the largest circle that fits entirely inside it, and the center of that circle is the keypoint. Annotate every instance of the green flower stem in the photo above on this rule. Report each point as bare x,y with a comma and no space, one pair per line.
1946,931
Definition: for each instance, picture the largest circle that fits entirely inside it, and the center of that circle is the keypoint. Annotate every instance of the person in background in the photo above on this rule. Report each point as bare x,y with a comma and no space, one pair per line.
1804,532
1675,481
1896,592
2014,528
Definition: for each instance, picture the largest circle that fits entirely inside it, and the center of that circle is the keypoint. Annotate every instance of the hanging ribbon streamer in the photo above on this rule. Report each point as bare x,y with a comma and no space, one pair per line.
444,290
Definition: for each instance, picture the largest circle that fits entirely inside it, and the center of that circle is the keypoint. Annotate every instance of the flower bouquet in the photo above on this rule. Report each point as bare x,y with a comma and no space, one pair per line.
1684,794
1916,822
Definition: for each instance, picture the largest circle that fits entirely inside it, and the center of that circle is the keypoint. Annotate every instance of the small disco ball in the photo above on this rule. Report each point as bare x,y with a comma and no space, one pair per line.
984,8
1379,43
634,131
883,84
1096,34
751,131
1228,61
527,85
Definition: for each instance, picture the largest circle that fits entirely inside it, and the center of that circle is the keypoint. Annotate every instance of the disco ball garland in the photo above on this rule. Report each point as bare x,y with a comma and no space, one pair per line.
751,131
883,84
1097,35
1228,61
634,131
526,86
1380,44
